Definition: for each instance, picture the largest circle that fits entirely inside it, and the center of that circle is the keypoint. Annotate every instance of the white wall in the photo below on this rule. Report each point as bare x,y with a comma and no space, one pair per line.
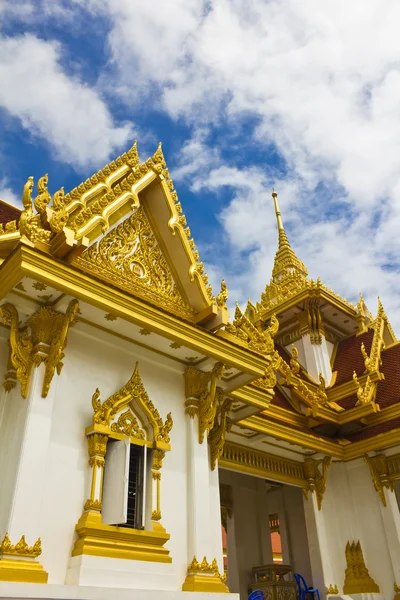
96,359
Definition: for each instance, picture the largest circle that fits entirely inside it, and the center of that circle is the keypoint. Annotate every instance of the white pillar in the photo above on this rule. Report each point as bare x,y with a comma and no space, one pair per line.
263,533
199,523
318,545
25,516
215,519
391,525
231,550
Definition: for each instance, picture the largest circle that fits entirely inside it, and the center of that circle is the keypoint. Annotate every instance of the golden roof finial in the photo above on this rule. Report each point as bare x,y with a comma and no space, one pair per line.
282,239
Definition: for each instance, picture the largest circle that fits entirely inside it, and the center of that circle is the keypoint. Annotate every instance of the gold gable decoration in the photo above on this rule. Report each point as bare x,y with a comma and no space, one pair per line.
130,257
132,390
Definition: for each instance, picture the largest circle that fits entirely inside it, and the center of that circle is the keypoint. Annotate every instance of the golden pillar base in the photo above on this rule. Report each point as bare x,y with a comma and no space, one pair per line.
22,571
97,539
199,582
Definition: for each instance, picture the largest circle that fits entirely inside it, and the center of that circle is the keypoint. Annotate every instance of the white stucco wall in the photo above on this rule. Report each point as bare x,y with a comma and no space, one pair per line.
96,359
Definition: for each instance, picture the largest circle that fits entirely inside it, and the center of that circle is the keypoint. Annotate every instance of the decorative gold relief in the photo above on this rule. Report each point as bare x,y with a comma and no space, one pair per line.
204,577
294,361
222,426
132,390
39,286
379,468
43,339
129,256
21,548
59,215
43,198
30,225
128,424
316,479
222,297
365,394
258,340
18,562
201,393
158,457
357,578
332,589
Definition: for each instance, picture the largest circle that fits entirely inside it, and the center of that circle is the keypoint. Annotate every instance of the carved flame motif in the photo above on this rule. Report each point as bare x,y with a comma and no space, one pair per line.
130,257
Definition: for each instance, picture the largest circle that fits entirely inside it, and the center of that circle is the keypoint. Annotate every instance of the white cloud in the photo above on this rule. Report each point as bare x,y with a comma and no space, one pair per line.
7,194
63,110
322,82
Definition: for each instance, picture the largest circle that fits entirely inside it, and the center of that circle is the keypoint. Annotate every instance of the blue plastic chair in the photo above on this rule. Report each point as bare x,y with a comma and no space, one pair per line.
256,595
303,588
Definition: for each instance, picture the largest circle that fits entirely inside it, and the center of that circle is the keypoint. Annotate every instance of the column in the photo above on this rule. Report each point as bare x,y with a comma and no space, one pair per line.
156,490
391,525
97,445
318,545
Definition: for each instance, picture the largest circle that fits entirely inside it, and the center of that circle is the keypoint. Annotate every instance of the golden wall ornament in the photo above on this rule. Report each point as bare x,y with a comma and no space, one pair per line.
30,225
222,426
42,339
222,298
204,577
43,198
129,256
332,589
21,548
59,215
294,361
357,578
316,478
128,424
366,393
202,396
379,468
132,390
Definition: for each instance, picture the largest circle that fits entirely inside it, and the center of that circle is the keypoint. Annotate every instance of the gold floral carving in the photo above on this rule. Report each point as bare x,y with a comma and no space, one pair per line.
357,577
379,468
268,381
129,256
158,457
316,479
202,396
222,426
97,444
43,339
21,548
332,589
258,340
128,424
133,390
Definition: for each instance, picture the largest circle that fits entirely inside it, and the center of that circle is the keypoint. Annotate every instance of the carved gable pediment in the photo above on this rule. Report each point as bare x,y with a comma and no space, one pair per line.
130,257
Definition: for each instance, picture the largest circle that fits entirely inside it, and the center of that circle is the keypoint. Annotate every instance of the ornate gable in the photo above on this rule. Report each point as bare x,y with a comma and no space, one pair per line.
130,257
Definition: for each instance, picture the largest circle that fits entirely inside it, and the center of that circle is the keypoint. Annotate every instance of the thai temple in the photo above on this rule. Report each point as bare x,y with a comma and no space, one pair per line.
153,447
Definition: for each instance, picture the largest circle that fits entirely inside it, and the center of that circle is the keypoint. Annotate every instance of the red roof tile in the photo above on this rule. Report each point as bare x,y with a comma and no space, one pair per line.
375,430
349,358
8,212
280,400
388,391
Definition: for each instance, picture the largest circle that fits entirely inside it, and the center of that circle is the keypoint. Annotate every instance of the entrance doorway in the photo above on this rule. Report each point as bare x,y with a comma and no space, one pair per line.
263,524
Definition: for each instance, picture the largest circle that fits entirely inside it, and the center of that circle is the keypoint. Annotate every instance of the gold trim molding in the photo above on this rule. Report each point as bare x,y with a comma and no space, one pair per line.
261,464
97,539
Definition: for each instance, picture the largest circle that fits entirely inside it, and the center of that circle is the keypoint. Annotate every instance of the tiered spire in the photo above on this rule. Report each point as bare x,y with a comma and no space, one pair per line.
286,263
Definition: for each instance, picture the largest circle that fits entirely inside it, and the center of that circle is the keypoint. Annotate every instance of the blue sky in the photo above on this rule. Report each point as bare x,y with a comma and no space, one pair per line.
300,96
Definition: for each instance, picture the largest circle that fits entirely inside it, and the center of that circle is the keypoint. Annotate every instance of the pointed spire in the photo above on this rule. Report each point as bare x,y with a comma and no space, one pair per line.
286,263
282,239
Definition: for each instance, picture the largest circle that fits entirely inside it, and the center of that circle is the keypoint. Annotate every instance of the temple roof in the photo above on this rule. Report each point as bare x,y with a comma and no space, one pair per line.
8,212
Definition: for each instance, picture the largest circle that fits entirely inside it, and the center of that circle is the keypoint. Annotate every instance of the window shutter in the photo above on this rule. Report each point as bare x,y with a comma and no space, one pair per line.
116,478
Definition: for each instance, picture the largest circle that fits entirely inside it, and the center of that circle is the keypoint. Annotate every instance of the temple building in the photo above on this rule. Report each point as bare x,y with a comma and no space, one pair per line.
154,447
